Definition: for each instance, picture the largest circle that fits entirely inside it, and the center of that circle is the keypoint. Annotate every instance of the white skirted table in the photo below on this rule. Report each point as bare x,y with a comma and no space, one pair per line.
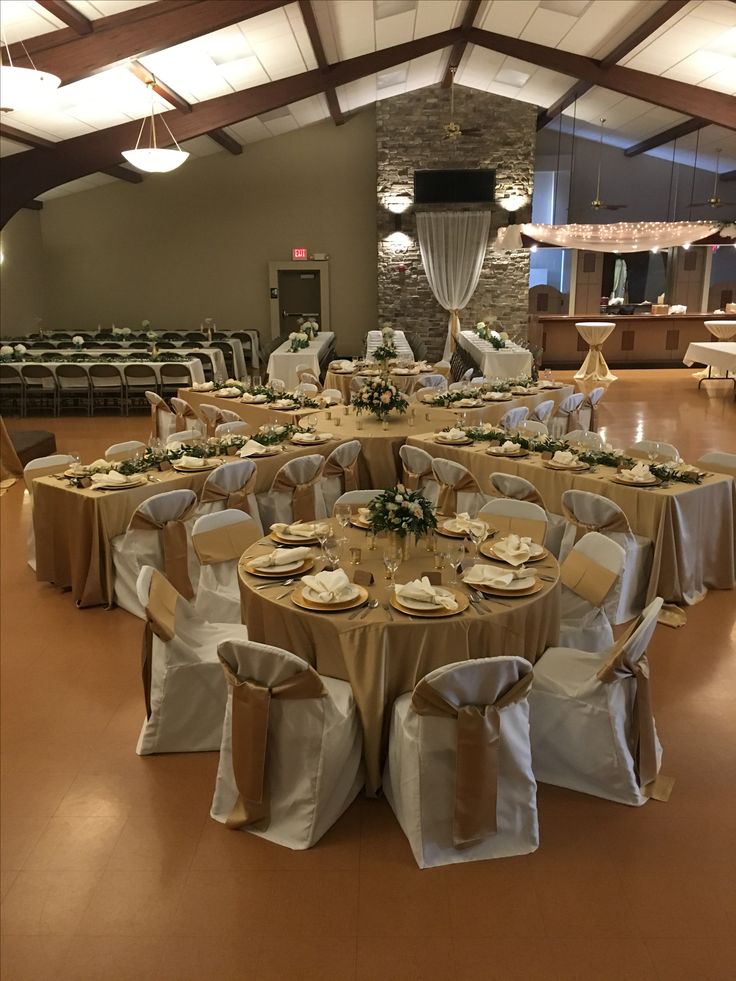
720,355
594,368
283,363
511,361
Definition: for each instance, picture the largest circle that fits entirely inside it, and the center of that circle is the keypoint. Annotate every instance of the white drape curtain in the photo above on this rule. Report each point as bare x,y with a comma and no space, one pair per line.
453,246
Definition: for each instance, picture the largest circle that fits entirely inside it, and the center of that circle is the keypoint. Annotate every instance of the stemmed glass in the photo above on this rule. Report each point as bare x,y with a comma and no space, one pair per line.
456,555
342,513
322,532
478,532
653,451
392,556
332,548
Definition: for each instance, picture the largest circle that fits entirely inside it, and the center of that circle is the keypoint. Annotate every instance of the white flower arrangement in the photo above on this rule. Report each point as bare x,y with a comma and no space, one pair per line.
6,350
20,349
498,340
77,340
379,397
299,340
145,324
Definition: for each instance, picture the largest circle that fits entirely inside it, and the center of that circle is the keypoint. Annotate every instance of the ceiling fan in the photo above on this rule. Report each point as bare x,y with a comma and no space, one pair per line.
713,201
452,131
597,203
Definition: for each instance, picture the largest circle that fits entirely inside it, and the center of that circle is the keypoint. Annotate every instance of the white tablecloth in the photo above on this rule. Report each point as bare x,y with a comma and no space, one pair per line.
719,354
194,364
722,330
403,350
283,364
511,361
213,355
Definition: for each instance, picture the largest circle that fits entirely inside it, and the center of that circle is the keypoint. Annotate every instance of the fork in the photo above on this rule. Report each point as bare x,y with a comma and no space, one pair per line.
279,582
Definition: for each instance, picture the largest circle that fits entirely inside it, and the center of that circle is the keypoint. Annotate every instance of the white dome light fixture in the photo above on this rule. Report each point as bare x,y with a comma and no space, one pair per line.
22,88
154,159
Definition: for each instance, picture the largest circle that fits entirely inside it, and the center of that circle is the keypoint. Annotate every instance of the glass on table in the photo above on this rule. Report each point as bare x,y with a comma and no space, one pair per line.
332,549
456,554
392,556
342,513
322,532
478,533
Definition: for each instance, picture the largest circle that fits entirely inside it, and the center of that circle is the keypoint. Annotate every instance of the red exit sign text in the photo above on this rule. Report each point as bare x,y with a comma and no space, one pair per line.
298,253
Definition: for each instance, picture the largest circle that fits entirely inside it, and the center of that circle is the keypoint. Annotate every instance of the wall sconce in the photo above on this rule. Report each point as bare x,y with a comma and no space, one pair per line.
398,222
398,242
513,203
397,204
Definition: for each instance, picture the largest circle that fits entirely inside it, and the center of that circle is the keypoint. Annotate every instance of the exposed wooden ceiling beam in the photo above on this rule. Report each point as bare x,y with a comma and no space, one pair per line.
26,139
34,205
666,136
123,174
660,16
68,15
226,141
310,22
134,33
692,100
458,50
730,175
159,87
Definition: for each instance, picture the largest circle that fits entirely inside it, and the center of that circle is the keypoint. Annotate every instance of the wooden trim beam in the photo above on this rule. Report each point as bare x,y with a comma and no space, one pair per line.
68,15
310,22
226,141
668,10
458,50
730,175
159,87
27,139
123,174
666,136
34,205
134,33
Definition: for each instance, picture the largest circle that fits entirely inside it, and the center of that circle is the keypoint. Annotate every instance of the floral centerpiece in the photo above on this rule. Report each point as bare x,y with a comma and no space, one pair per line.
379,397
77,340
309,327
401,512
299,340
498,340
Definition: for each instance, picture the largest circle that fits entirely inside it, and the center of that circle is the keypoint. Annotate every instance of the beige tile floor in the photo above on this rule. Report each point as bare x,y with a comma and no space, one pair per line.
111,867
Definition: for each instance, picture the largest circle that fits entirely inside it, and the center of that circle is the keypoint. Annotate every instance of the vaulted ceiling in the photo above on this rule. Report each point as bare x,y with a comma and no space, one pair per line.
230,72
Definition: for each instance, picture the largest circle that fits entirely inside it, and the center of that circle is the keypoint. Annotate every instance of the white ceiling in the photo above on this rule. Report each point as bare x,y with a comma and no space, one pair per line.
697,45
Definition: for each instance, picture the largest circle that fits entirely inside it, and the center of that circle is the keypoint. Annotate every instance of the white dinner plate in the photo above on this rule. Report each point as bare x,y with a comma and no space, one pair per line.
516,584
206,465
256,400
134,481
313,597
535,551
282,567
412,604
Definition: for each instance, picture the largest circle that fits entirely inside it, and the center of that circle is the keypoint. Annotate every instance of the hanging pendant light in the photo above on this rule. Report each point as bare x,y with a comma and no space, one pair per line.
23,88
154,159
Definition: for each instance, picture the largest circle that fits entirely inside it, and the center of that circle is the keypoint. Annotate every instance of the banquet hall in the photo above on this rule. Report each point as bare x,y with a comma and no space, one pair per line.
367,490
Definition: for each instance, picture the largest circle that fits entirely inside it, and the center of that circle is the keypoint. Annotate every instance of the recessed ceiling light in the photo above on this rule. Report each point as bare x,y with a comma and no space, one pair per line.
573,8
389,8
509,76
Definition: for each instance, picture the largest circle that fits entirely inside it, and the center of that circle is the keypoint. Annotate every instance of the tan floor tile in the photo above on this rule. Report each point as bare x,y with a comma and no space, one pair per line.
77,841
683,959
133,903
405,959
32,958
313,958
232,958
112,958
47,902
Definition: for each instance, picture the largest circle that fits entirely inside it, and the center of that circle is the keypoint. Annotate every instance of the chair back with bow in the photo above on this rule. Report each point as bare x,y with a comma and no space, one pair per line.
588,574
508,485
567,417
458,488
163,420
589,408
125,451
229,416
219,540
417,471
186,417
212,416
232,486
517,517
542,412
341,472
166,513
586,511
512,418
295,494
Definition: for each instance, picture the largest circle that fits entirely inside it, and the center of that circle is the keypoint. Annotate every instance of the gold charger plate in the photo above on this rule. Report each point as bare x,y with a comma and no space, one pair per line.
578,468
462,604
293,541
267,451
312,442
217,395
453,442
446,533
210,464
495,451
509,593
279,573
300,600
134,481
635,483
487,548
498,398
359,523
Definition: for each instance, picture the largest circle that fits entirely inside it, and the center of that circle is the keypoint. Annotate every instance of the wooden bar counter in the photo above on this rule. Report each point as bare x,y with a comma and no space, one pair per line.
637,339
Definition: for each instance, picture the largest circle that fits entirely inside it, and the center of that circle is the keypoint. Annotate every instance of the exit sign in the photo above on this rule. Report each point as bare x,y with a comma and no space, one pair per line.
298,253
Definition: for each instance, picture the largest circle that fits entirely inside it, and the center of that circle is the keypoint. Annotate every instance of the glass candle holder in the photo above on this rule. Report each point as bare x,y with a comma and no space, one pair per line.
384,425
337,420
355,556
358,423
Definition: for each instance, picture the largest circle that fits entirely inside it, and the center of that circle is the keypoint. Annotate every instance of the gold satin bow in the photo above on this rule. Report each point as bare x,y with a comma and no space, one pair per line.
447,501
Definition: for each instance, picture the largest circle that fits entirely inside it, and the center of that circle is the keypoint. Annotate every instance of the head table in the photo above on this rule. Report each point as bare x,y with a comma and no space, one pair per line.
692,526
383,656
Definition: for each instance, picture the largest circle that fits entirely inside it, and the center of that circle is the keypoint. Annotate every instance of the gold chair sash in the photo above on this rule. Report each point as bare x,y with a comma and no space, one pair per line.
157,405
479,734
225,543
447,501
349,473
411,479
237,499
619,522
587,578
161,621
593,422
182,415
302,499
509,524
251,705
572,416
174,545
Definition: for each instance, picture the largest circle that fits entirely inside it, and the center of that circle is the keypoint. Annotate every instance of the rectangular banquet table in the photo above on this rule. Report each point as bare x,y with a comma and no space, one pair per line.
194,365
74,526
403,348
692,526
283,363
717,354
509,362
213,355
254,415
381,657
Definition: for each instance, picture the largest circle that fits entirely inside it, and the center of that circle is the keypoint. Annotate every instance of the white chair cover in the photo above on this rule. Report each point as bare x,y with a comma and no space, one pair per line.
567,416
228,487
42,466
277,384
185,690
185,436
303,762
509,485
341,472
143,546
427,771
583,624
212,417
186,418
239,428
592,728
542,412
278,503
592,512
357,498
512,418
583,437
530,427
524,510
218,593
666,452
306,388
124,451
332,396
719,462
588,411
438,383
457,488
229,416
163,420
417,472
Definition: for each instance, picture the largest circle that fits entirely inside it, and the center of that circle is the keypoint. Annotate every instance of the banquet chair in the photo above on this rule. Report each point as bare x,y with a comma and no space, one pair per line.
306,388
357,498
341,472
462,382
588,575
592,728
125,451
309,378
175,375
586,511
184,691
185,436
12,390
74,387
295,494
157,536
139,379
477,382
219,539
512,417
107,386
459,771
238,428
510,486
229,416
512,516
186,417
443,367
277,384
420,394
432,382
416,471
567,417
296,763
542,412
719,462
588,411
42,466
163,420
40,387
584,438
212,416
331,396
530,427
457,488
231,486
665,452
357,382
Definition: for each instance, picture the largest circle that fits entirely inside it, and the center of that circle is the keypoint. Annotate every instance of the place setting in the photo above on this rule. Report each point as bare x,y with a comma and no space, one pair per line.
419,598
638,476
309,438
566,460
299,532
507,582
452,437
195,464
330,591
509,448
281,562
515,550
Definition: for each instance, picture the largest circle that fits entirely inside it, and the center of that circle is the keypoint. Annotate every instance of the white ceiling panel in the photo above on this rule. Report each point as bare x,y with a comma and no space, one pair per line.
9,147
435,17
354,27
106,8
427,70
202,146
296,21
508,16
357,94
22,19
311,110
548,27
249,131
395,30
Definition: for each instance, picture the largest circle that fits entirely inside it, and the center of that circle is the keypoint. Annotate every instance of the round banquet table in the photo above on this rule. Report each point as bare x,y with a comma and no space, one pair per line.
594,368
341,380
722,330
383,657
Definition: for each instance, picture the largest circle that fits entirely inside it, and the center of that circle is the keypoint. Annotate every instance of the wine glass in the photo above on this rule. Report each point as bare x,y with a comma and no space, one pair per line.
478,532
392,555
653,451
332,548
322,532
342,513
456,555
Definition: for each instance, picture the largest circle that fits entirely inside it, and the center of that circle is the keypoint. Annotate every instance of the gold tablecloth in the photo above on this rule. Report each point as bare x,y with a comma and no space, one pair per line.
383,658
692,526
74,526
493,411
254,415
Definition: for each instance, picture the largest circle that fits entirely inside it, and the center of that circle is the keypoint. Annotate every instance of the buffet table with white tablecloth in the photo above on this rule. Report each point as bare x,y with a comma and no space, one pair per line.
511,361
399,341
283,363
717,354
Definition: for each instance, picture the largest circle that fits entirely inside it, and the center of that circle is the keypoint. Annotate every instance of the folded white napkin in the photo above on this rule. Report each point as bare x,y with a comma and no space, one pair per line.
400,371
514,549
422,591
194,462
464,403
640,471
309,437
300,529
280,556
249,397
228,391
342,365
330,587
510,447
451,434
100,466
113,477
251,448
463,522
565,458
284,404
203,386
488,575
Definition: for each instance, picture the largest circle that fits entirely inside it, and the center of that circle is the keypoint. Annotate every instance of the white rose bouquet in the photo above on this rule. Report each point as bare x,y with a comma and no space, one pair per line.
401,511
77,340
299,340
379,397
